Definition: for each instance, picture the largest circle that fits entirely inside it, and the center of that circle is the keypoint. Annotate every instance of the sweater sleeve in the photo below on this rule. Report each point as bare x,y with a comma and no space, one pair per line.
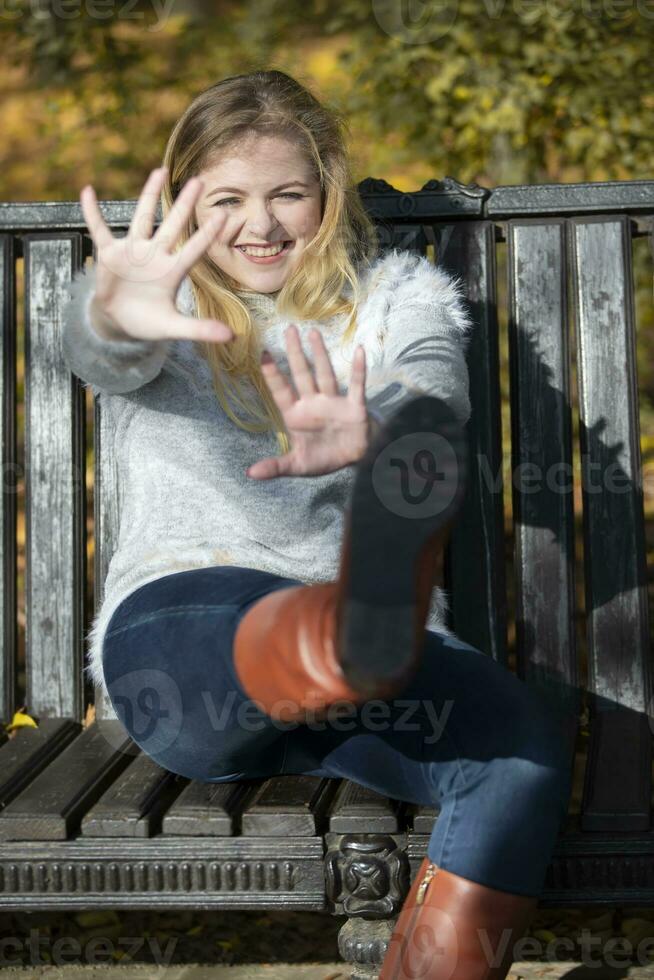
113,366
423,330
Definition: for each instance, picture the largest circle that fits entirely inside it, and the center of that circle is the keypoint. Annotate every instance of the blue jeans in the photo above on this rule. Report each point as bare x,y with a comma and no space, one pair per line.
465,734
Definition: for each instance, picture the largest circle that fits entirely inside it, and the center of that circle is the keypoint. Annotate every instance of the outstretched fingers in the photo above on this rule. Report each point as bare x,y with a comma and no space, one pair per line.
357,389
266,469
142,221
280,387
188,328
325,376
98,229
300,370
171,227
200,241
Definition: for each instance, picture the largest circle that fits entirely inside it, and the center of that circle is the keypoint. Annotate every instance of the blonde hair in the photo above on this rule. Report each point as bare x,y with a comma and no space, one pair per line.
220,119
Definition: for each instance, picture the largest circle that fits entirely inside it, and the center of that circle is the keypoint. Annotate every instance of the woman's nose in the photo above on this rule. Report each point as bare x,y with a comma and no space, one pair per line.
260,220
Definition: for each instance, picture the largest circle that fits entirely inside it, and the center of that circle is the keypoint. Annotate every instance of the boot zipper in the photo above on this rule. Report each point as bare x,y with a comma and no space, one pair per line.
412,915
424,884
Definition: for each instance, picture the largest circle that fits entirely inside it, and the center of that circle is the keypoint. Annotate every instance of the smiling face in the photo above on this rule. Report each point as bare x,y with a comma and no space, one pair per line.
271,197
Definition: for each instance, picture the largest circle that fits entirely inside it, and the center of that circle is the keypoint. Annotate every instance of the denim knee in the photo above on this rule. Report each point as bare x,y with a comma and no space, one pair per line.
544,762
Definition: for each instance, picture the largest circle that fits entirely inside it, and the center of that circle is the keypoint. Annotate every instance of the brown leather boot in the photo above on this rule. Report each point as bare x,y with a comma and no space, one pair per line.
451,928
300,649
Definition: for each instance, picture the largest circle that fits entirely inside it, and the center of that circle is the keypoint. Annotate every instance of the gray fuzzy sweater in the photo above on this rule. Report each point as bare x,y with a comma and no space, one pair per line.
183,497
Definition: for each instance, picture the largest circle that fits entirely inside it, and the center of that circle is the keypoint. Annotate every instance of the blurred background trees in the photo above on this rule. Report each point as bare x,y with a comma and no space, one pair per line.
499,92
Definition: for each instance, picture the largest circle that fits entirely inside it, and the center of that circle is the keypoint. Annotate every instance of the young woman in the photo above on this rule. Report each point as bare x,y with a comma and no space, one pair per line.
282,515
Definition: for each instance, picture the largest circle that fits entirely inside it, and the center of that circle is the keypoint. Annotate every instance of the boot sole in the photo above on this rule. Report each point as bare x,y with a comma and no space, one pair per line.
392,518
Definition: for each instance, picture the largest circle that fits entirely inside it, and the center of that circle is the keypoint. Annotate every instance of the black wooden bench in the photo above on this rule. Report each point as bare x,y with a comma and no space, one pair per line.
88,821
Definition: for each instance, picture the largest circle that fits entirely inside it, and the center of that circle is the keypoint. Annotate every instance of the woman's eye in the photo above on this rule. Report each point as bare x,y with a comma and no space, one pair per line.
228,200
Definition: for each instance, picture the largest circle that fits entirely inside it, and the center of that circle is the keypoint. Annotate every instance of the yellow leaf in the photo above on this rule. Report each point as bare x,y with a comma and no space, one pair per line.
21,720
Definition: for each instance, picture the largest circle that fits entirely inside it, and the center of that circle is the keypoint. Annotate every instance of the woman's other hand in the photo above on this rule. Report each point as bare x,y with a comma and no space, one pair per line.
327,430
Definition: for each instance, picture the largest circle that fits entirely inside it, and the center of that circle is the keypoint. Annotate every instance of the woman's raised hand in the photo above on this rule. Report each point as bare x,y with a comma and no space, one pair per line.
138,276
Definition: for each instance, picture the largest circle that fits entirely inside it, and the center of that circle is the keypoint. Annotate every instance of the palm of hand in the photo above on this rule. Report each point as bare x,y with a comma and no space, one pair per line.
327,430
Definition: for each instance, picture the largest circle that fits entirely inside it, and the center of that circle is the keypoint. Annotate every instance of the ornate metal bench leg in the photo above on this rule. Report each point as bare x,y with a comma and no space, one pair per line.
363,945
367,877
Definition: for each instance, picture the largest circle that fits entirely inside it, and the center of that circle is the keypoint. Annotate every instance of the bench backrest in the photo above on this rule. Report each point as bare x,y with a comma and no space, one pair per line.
570,292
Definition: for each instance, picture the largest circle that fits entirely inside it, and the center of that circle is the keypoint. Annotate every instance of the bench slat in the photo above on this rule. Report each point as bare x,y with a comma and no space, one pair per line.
208,809
543,500
106,507
105,524
25,755
476,581
357,809
614,533
619,754
55,532
51,806
289,805
135,803
8,566
421,819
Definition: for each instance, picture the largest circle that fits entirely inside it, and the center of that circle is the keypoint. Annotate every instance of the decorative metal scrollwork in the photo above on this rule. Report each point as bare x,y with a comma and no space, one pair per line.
367,875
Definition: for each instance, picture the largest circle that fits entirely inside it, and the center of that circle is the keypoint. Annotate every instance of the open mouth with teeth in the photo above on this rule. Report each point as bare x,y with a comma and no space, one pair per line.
267,251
